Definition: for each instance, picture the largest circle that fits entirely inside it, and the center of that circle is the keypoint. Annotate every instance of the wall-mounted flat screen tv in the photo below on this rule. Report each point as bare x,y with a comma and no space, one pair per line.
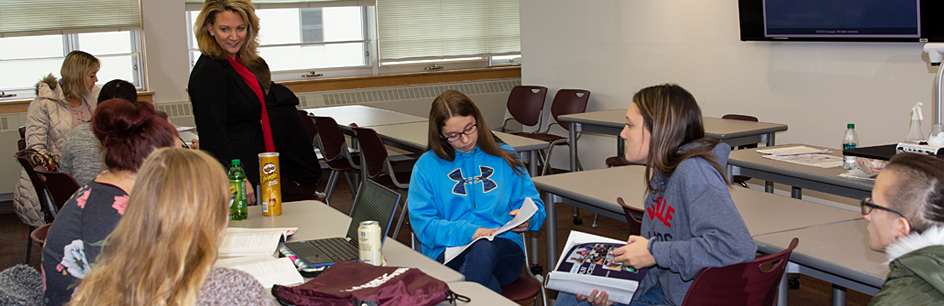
842,20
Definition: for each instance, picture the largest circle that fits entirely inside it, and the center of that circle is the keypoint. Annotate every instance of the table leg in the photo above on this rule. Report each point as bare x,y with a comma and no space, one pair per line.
550,225
769,187
839,296
533,163
572,133
770,139
796,193
782,290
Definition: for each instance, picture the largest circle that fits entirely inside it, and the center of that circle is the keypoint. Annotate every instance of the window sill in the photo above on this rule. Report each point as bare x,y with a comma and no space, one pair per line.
344,83
22,105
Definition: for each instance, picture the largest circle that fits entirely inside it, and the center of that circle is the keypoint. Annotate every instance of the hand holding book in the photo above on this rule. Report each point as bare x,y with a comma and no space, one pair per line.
635,253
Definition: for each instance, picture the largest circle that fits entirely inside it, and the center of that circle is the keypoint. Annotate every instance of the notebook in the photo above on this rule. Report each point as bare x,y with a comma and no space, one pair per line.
375,203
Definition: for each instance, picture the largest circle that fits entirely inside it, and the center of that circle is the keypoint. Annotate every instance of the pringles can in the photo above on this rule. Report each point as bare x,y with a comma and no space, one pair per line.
269,179
368,241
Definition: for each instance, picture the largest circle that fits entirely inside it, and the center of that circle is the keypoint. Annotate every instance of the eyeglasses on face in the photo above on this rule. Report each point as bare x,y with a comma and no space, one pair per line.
453,137
867,206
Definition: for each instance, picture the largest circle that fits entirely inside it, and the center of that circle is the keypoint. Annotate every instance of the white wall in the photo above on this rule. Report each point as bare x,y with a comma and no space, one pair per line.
165,40
613,48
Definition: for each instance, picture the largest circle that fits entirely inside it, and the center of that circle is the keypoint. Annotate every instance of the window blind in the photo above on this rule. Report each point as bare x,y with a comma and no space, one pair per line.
45,17
440,29
196,5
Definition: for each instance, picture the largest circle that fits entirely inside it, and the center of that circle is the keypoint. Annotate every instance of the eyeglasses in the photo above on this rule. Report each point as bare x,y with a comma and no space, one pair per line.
453,137
867,206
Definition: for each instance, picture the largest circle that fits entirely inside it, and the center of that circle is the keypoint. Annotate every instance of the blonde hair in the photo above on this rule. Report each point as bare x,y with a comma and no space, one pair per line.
207,16
75,69
166,243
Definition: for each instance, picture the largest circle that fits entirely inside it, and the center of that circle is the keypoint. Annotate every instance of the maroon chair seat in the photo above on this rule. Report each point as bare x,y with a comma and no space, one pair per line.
753,283
39,234
541,136
633,217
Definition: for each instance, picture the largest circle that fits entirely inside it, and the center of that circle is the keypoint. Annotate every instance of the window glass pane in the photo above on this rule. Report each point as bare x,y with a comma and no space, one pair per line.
310,57
31,71
341,55
343,23
106,42
278,26
30,47
115,67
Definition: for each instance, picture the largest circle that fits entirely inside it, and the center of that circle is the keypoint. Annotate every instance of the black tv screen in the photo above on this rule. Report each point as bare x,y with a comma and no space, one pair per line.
841,20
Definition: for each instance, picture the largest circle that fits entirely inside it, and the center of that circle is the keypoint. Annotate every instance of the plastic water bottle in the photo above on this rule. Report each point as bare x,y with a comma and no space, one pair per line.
237,186
849,141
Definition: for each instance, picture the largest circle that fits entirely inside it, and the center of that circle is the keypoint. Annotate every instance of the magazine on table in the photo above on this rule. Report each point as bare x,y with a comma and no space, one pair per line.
527,210
588,263
253,241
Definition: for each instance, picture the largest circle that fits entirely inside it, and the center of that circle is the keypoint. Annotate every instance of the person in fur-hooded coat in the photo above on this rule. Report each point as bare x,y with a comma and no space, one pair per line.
906,221
58,107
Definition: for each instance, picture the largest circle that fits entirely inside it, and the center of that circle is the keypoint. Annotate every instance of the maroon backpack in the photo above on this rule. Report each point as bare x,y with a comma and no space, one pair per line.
354,283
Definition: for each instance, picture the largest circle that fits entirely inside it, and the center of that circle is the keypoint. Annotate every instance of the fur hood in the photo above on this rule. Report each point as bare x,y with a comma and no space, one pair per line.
931,237
48,87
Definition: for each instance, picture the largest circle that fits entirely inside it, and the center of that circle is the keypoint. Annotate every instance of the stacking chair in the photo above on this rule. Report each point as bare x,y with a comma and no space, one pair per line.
753,283
633,217
566,102
525,104
525,287
334,148
21,144
60,187
376,165
740,179
39,186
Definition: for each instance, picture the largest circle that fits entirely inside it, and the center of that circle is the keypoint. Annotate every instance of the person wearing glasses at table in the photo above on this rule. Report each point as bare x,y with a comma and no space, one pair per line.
467,185
906,221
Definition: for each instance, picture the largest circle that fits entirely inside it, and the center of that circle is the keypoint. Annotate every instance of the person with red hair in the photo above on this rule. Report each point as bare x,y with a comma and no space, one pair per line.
129,132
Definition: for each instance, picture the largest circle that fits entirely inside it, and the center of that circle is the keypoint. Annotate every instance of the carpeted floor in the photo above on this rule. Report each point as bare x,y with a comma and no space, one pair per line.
13,235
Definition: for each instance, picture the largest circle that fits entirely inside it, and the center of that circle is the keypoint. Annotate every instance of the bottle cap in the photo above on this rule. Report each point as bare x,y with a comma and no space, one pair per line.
850,126
235,162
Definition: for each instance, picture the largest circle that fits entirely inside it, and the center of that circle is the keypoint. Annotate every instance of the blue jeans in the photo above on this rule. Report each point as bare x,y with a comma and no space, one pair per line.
653,297
491,263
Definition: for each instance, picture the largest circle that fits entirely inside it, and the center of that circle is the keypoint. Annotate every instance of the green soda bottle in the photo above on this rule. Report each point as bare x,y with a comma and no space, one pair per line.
237,187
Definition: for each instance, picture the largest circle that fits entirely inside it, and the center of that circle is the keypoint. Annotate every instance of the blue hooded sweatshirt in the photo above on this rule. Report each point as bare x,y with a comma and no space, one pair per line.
691,225
449,201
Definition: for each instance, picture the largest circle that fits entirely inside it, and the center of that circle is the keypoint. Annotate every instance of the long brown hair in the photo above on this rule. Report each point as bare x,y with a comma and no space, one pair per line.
918,192
673,117
166,243
207,16
452,103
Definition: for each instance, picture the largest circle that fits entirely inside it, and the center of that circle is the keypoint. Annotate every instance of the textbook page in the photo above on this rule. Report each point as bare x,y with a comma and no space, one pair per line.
527,210
588,264
265,268
253,241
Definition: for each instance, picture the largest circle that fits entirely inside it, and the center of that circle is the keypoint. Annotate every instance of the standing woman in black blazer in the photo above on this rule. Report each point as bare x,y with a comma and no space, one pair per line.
227,99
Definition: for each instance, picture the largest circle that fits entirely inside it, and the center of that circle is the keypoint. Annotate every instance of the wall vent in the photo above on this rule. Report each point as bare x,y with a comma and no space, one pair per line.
179,109
426,92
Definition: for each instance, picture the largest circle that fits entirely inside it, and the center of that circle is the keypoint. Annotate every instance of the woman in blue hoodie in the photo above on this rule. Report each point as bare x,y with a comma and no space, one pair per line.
467,185
690,221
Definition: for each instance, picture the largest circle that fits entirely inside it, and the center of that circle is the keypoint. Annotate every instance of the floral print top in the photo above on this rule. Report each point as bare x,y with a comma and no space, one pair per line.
76,238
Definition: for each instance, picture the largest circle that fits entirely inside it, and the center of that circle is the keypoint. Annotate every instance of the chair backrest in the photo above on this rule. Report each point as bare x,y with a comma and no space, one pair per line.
21,144
753,283
373,151
38,184
742,118
569,101
60,186
309,123
333,145
633,217
525,104
373,202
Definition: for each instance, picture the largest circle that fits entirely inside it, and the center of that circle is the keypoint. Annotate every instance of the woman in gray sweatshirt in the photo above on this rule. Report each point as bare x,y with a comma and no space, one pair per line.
690,222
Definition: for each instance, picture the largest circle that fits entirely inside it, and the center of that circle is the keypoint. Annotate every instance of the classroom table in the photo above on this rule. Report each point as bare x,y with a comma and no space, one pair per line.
479,295
364,116
611,122
316,220
763,213
748,162
837,253
413,137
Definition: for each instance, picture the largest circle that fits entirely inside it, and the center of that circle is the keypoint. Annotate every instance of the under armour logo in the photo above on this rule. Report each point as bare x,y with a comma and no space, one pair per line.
487,183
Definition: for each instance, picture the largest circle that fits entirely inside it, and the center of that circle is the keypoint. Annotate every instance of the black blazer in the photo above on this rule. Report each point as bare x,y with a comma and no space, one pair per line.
290,134
227,113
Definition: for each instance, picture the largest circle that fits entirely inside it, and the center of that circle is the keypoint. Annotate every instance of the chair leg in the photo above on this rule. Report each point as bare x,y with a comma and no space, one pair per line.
332,181
595,216
351,184
403,214
29,244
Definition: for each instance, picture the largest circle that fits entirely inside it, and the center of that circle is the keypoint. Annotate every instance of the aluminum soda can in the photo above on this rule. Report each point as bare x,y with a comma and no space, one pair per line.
368,241
269,178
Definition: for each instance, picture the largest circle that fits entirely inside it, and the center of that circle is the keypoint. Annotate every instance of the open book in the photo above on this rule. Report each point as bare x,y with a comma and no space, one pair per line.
527,210
253,241
265,268
588,264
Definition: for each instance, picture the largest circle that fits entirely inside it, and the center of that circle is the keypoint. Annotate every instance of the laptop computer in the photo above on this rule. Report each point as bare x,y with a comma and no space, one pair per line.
373,202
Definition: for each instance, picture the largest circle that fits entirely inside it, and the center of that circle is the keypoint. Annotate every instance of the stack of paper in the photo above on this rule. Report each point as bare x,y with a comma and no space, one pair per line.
251,250
800,150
